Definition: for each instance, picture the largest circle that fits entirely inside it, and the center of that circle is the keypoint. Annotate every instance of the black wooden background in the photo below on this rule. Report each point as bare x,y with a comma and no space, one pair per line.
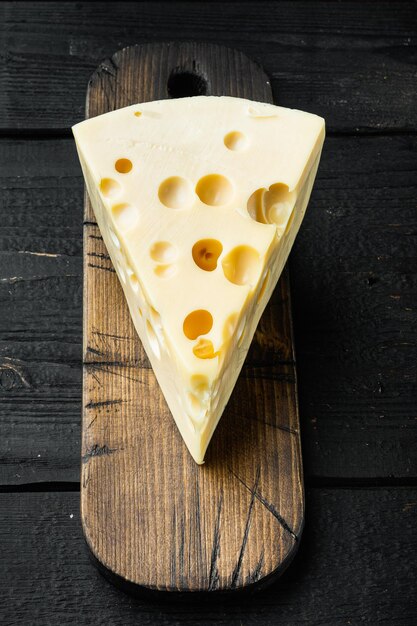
354,282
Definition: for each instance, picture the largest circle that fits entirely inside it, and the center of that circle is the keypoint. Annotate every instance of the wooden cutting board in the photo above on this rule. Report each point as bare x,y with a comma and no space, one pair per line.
152,518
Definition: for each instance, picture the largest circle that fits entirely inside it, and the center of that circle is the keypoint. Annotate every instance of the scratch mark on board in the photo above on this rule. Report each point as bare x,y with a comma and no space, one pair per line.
101,267
94,351
95,405
101,334
97,450
238,566
270,507
215,551
99,255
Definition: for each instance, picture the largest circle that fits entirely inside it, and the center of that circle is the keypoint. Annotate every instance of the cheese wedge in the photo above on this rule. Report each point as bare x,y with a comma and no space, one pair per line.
198,201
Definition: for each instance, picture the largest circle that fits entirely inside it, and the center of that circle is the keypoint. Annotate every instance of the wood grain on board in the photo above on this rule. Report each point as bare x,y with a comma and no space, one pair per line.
150,514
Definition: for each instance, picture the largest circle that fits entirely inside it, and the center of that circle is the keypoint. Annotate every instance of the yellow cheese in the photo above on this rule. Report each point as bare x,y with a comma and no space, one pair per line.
198,201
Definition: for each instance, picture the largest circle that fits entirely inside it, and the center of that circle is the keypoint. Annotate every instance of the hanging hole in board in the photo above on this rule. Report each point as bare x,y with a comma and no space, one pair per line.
186,83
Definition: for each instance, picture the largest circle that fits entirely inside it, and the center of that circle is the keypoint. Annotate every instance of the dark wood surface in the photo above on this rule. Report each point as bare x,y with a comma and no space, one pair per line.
353,273
150,514
346,571
354,65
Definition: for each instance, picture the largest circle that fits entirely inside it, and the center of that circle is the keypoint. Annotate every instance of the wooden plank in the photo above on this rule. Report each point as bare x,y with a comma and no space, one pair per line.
347,62
151,515
40,311
354,274
354,307
356,564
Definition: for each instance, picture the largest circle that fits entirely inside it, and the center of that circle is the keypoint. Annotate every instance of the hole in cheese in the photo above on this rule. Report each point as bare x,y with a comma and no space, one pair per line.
197,323
176,193
242,265
235,140
206,252
194,405
121,272
163,252
200,385
230,327
204,349
214,190
155,317
279,205
272,206
262,113
263,287
114,239
255,206
110,188
165,271
157,325
134,282
125,215
153,340
123,166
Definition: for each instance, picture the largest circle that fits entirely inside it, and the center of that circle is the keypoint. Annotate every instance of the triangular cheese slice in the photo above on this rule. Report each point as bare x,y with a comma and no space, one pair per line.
198,201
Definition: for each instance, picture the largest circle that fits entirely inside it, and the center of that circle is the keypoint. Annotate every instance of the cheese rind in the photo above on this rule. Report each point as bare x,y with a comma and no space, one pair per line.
198,201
